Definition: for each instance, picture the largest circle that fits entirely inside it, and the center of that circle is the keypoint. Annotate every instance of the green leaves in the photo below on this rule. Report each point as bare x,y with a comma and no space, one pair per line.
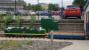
37,7
79,2
32,21
49,25
8,18
53,7
33,7
18,18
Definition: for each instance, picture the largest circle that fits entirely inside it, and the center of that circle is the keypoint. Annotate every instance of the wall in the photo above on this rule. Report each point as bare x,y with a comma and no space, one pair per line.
86,18
87,9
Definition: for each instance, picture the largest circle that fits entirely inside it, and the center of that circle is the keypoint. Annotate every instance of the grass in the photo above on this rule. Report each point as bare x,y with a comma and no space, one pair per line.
14,43
24,34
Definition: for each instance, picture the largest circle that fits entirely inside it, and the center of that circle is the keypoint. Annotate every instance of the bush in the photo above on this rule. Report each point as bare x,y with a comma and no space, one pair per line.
24,30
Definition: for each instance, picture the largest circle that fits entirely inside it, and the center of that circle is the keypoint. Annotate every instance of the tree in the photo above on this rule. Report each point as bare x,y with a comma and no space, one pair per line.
37,7
33,7
25,6
2,15
49,24
53,7
32,21
18,20
7,19
80,3
28,7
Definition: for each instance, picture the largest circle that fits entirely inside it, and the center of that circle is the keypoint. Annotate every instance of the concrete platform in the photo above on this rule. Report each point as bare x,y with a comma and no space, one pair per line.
68,33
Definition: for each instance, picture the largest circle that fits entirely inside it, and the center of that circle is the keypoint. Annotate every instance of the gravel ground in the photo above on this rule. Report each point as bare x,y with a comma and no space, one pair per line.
15,45
47,45
32,45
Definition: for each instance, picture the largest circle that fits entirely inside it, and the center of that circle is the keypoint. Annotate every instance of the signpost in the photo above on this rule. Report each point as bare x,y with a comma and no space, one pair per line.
51,46
49,25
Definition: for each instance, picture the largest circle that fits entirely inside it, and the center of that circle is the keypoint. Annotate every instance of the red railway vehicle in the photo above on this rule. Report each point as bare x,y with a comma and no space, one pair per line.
72,11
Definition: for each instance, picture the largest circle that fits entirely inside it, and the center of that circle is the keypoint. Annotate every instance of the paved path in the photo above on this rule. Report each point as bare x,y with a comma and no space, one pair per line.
78,45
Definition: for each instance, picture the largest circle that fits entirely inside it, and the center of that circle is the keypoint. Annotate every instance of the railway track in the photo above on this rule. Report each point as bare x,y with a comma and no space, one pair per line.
24,35
65,25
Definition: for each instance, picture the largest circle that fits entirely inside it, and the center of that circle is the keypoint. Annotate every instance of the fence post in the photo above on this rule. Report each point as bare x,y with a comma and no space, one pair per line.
51,46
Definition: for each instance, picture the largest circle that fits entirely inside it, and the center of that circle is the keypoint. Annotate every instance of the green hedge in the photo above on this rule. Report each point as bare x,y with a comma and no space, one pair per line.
49,24
19,30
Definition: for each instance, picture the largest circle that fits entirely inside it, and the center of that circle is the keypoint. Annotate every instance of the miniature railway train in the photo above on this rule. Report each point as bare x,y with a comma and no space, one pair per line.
72,11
